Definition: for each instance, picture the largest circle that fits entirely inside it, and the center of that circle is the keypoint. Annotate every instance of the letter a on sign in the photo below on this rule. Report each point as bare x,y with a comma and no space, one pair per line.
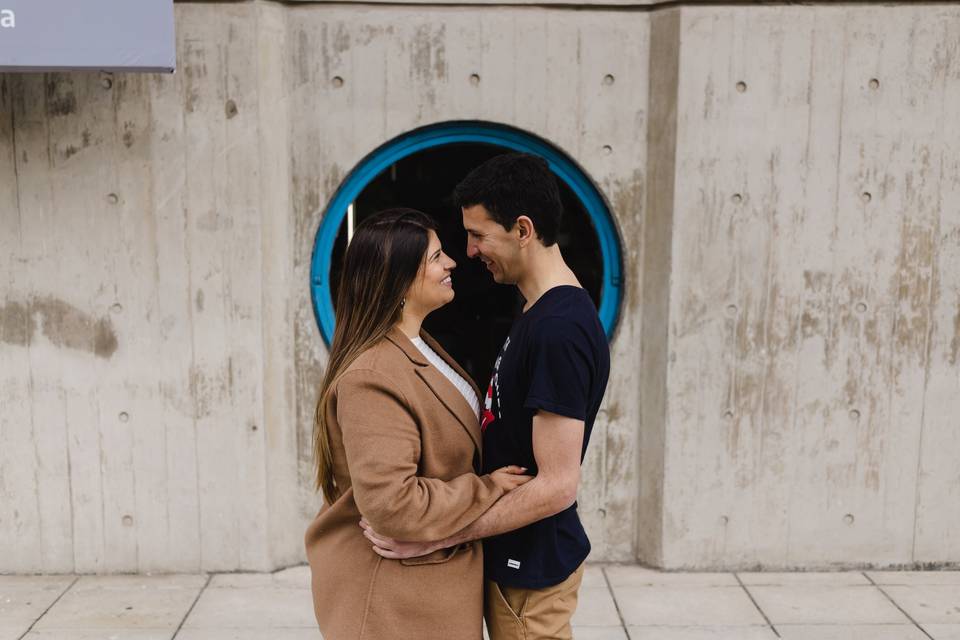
7,19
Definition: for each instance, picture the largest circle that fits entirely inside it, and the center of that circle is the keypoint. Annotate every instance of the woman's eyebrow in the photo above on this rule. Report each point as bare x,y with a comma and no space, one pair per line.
436,253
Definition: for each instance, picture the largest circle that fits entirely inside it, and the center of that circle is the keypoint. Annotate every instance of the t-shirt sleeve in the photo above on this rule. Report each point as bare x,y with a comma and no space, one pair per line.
560,367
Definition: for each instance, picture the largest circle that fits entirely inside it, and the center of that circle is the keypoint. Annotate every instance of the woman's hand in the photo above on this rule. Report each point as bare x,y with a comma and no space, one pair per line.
510,477
397,549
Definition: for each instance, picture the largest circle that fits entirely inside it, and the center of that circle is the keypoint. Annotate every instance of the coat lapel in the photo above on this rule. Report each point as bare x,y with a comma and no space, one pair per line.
448,394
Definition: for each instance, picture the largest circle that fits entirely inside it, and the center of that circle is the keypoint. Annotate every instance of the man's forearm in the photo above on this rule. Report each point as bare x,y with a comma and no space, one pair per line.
538,499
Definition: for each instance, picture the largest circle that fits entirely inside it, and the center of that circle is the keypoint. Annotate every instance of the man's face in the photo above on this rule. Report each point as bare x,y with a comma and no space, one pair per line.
486,239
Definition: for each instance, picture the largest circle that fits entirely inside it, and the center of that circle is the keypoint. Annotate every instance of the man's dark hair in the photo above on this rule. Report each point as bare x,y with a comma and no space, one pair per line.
513,185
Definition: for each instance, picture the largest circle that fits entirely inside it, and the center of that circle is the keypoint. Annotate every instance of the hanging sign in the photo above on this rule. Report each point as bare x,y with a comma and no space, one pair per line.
109,35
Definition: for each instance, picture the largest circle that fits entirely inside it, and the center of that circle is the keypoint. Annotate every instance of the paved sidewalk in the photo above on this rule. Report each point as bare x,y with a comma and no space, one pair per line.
617,602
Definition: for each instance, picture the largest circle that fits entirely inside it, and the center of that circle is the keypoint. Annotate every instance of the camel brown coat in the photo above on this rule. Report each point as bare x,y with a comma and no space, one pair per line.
406,447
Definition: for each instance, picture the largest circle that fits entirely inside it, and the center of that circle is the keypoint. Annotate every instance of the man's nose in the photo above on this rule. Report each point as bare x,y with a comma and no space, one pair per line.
472,251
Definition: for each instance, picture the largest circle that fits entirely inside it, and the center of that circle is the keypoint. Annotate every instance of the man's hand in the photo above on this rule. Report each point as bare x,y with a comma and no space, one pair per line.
396,549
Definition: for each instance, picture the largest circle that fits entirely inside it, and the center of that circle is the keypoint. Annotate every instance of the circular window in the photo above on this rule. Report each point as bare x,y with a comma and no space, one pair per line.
420,170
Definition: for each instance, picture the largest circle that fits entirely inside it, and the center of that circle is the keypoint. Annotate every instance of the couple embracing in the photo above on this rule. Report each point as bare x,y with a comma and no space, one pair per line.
417,467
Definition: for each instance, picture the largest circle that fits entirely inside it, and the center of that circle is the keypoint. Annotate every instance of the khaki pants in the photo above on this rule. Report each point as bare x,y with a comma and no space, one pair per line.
531,614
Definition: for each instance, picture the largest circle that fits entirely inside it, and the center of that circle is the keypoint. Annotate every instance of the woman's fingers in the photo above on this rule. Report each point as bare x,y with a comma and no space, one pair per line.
376,540
515,469
386,553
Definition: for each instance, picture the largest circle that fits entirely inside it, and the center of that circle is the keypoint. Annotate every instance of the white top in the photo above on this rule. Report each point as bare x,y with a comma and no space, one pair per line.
458,381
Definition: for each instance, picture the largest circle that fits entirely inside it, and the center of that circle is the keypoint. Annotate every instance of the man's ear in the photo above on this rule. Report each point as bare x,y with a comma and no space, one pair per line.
525,230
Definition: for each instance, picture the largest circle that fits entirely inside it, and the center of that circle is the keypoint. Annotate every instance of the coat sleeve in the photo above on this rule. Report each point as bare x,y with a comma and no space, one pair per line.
381,437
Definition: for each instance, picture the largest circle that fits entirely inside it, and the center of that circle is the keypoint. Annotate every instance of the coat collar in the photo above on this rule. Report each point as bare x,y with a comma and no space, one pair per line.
409,349
451,398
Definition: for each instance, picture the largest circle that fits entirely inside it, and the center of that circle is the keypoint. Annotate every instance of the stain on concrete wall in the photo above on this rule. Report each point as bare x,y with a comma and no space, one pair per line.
59,322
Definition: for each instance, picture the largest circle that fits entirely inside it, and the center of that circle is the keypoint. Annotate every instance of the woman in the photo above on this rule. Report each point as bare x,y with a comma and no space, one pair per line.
397,442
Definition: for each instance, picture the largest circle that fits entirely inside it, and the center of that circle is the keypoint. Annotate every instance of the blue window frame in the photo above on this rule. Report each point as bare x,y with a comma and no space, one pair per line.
454,133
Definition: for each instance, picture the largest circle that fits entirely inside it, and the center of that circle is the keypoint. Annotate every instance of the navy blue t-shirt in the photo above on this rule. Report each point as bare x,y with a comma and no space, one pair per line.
557,359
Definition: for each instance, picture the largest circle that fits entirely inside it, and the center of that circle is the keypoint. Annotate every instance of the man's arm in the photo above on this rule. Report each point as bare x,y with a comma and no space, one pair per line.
557,445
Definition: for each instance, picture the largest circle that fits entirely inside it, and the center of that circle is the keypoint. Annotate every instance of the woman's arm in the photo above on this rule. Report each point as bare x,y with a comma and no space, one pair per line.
382,442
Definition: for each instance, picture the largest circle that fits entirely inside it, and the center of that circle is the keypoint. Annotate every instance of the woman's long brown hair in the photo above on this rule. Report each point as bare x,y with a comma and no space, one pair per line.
381,262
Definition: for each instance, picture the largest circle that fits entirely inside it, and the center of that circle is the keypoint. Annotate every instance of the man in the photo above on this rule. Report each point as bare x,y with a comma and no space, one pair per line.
546,388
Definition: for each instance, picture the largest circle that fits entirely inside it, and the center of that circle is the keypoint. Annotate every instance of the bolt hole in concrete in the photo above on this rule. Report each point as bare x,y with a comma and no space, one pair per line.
854,414
866,197
731,310
127,521
737,198
848,519
874,84
124,416
473,327
231,109
741,87
474,79
724,520
861,307
106,82
253,427
113,198
728,414
608,79
607,149
116,308
337,82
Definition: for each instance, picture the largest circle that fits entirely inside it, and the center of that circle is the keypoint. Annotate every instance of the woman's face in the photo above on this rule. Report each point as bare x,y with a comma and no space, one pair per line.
433,287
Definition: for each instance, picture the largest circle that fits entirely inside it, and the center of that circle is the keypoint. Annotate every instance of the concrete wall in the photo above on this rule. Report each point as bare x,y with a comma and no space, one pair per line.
814,330
146,355
785,374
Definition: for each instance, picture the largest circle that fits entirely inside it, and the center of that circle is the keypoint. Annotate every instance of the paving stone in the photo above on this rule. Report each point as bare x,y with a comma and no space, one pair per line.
593,576
141,582
13,630
686,606
298,577
253,608
850,632
599,633
633,576
100,634
23,599
815,604
915,577
250,634
839,578
754,632
943,631
595,608
35,582
124,602
938,604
